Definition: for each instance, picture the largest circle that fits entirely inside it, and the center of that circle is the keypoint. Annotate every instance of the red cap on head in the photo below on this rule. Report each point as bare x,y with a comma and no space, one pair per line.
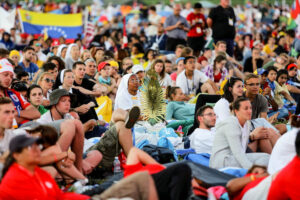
102,65
290,66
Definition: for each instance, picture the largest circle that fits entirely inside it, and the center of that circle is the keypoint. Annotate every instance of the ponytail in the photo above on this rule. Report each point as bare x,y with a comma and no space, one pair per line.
171,90
8,162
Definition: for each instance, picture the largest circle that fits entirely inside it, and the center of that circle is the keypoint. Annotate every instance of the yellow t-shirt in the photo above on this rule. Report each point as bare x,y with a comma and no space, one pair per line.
277,96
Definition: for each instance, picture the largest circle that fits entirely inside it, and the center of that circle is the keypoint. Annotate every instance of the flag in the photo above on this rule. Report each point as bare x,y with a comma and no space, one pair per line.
295,15
89,27
125,39
7,19
67,25
295,10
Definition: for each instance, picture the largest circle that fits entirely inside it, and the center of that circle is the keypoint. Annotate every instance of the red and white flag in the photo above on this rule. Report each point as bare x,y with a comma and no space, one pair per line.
89,28
125,39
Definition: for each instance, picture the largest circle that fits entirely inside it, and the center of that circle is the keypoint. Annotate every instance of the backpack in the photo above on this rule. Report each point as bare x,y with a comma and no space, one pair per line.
160,154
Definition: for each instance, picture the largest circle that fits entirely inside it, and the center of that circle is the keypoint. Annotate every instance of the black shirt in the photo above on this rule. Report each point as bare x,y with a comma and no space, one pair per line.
249,66
223,22
86,84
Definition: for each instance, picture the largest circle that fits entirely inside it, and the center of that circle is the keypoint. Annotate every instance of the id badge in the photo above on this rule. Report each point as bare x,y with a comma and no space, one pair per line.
230,22
198,30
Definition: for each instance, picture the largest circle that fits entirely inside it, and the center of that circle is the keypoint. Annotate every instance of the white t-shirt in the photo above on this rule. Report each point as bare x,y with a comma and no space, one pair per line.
183,83
222,110
283,152
152,29
47,118
126,101
8,135
202,140
166,81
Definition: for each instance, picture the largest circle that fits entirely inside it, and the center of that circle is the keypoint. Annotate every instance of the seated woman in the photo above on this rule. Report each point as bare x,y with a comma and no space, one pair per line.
35,97
233,89
164,78
46,82
52,153
217,72
128,94
72,55
23,178
232,138
177,108
180,67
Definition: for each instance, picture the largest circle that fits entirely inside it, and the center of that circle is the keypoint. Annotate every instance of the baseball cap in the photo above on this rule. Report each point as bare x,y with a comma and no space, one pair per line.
6,66
137,68
179,59
262,71
290,66
102,65
21,141
114,64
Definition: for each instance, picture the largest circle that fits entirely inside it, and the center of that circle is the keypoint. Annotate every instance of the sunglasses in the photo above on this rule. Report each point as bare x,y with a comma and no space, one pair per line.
48,80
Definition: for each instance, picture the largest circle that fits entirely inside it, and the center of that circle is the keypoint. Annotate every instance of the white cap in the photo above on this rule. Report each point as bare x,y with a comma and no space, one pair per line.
5,66
137,68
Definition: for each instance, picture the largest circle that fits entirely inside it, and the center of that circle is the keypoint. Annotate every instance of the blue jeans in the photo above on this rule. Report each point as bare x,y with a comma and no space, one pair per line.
283,113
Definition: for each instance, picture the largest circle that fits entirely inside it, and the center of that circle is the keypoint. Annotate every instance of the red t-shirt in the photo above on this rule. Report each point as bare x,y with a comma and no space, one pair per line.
151,168
249,186
199,23
287,182
18,183
217,77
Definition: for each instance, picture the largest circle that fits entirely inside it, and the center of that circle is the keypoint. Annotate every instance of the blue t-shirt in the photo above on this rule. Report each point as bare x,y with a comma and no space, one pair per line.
31,70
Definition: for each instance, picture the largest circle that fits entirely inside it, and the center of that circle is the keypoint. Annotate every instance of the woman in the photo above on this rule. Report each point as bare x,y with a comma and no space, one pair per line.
180,67
177,108
15,56
72,55
23,178
232,90
86,54
60,64
232,137
128,94
149,58
137,53
35,97
105,79
217,72
46,82
61,51
159,67
98,54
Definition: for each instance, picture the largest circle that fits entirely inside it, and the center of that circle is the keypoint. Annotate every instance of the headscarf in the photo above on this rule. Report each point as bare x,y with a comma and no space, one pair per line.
68,54
59,50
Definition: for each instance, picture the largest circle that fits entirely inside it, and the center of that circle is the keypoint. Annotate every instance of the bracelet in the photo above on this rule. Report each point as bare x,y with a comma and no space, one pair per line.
252,177
55,158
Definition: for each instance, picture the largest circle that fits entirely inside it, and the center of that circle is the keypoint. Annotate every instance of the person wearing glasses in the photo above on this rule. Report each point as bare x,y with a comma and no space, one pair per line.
46,81
128,94
202,138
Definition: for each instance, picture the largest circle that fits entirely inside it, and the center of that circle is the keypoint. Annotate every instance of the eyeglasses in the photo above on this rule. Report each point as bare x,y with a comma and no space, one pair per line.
48,80
210,114
134,80
253,84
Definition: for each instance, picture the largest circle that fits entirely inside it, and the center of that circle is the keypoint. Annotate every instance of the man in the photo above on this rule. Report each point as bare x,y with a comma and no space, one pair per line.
7,114
90,70
222,19
71,130
259,102
293,42
196,33
202,138
191,80
280,62
254,62
27,64
24,110
176,27
23,77
177,54
93,88
158,41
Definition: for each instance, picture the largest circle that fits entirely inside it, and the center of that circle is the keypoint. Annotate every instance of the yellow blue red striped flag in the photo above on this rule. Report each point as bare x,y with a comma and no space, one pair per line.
56,25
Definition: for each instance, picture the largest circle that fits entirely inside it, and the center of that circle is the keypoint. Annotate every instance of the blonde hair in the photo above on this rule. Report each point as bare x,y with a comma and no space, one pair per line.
42,77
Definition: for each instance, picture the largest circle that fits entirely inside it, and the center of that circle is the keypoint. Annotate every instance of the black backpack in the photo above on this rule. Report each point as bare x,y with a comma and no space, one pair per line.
160,154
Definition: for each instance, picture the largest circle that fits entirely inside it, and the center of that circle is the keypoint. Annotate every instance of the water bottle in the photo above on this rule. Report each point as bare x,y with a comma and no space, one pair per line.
117,167
78,186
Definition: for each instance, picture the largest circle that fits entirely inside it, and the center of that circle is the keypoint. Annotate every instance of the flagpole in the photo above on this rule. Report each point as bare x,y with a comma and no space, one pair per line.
21,22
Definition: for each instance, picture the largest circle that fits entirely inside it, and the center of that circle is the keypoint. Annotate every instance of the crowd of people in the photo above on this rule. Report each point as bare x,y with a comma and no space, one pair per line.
241,65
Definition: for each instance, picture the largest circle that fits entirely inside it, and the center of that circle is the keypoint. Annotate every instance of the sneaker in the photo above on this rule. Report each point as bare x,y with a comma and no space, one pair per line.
132,116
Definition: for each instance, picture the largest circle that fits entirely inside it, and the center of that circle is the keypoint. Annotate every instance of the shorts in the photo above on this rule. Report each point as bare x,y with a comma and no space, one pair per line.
109,147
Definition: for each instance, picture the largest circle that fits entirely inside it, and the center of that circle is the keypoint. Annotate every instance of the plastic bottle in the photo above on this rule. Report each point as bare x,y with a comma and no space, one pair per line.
79,185
117,167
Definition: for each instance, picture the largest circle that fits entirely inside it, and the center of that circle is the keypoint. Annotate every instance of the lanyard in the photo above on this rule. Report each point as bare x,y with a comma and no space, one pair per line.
187,83
159,39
